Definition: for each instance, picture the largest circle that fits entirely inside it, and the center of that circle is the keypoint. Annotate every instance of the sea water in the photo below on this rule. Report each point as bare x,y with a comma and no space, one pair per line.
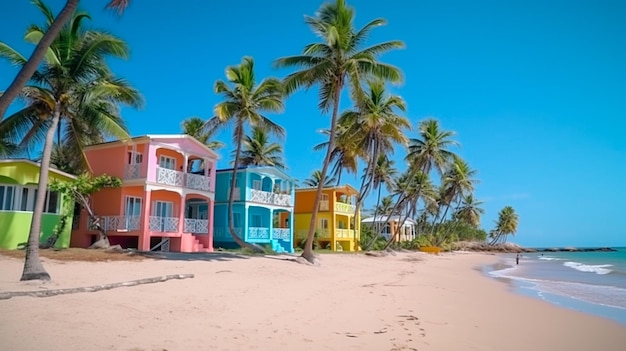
591,282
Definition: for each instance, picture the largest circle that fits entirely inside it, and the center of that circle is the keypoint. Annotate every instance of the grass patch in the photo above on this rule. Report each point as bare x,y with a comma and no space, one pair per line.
82,255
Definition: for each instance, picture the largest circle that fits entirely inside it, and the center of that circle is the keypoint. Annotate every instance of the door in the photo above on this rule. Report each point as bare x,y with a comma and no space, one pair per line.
163,210
132,212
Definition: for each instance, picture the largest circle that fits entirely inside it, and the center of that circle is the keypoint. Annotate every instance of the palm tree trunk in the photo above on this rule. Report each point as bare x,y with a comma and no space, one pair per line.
308,246
33,269
29,68
231,198
401,199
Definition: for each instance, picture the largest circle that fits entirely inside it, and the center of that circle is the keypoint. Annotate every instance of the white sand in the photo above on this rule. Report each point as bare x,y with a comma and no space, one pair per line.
410,301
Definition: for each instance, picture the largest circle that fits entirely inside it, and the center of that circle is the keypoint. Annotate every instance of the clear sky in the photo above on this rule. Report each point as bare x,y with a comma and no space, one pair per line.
536,90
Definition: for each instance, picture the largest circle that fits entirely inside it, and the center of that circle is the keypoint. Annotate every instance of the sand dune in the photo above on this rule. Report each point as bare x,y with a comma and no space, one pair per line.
410,301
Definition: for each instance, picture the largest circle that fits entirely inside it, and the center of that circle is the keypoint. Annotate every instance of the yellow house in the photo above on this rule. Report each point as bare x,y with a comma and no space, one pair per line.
338,227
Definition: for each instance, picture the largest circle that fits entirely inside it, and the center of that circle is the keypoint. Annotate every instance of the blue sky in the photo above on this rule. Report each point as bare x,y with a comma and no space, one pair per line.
535,90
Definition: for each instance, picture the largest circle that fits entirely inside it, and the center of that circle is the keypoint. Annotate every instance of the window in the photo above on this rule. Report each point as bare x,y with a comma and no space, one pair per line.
138,157
7,193
236,182
163,209
324,197
24,202
167,162
52,202
256,184
324,223
256,220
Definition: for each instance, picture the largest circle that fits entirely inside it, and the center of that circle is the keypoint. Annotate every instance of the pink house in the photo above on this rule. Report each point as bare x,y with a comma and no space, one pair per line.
166,200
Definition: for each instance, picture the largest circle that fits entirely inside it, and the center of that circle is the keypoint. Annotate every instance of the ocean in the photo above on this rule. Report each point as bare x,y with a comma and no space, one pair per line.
591,282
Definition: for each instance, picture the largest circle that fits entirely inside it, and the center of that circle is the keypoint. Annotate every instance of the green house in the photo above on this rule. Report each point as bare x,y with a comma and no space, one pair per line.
18,188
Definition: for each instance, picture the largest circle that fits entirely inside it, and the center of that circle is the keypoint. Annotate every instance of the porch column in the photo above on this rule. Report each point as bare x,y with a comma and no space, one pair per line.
353,241
272,223
181,215
245,221
291,236
144,235
210,213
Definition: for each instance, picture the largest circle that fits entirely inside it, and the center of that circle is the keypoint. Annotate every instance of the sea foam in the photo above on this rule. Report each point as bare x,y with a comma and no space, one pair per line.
597,269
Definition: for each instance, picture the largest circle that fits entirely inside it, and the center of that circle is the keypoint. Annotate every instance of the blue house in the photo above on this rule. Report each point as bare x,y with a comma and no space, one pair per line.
263,208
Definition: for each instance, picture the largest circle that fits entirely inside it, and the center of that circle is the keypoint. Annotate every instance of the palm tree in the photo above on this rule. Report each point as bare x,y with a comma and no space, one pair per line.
244,102
74,85
316,180
430,150
384,207
505,225
375,128
384,173
55,25
337,61
470,210
258,151
345,154
458,181
197,128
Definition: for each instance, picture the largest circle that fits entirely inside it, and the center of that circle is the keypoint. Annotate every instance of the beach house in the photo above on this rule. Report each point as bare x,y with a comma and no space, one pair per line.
166,200
18,188
262,210
338,225
390,227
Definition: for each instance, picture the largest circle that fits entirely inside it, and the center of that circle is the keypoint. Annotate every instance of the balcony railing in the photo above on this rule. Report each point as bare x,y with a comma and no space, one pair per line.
267,197
198,182
170,177
281,234
344,233
118,223
164,224
196,226
344,208
259,233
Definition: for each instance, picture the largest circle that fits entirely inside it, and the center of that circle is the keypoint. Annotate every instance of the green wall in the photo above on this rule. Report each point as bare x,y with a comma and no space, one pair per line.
16,225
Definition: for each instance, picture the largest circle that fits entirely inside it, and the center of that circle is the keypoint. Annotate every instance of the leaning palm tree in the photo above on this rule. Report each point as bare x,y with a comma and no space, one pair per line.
345,155
316,180
73,85
505,225
457,182
197,128
259,151
430,150
334,63
244,103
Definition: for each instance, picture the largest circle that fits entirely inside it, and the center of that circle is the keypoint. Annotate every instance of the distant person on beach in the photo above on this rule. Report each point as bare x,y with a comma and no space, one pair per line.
517,259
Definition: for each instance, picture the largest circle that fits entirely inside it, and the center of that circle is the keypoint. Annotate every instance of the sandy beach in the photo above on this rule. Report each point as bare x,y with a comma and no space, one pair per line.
410,301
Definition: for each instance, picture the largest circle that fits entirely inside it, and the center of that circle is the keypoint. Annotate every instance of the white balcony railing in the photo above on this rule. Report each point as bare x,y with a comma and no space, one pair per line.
118,223
344,208
196,226
267,197
258,233
198,182
132,171
281,234
164,224
170,177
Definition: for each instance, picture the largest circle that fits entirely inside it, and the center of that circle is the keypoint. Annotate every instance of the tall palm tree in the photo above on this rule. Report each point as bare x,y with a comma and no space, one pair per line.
55,26
384,207
384,173
197,128
316,180
73,85
259,151
375,128
244,103
470,210
335,62
430,150
457,182
505,225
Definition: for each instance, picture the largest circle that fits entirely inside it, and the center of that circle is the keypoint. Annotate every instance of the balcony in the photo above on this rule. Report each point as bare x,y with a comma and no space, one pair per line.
196,226
171,177
164,224
258,233
270,198
344,233
344,208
